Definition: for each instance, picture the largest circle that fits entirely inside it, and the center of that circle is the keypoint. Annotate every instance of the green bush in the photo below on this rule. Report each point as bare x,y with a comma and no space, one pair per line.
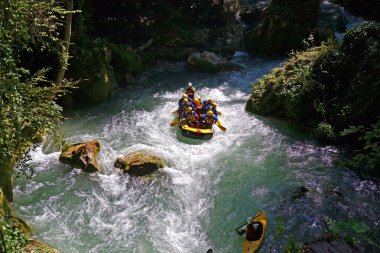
12,239
330,88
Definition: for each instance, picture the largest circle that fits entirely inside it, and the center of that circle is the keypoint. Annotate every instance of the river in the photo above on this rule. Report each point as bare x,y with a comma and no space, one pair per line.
206,189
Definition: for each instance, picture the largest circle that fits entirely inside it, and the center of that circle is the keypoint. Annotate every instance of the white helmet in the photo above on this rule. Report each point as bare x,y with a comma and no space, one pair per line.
249,220
189,84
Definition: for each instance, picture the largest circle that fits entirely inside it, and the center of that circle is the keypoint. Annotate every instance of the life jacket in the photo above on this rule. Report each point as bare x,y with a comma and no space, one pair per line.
190,115
184,106
209,120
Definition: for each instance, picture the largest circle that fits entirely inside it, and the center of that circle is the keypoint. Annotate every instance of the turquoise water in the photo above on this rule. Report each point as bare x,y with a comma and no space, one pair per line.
206,189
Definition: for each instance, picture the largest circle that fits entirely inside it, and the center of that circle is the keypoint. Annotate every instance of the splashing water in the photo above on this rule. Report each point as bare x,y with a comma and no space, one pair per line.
206,189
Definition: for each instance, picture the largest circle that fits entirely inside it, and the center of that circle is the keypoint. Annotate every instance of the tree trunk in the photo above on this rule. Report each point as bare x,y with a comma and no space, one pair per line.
66,43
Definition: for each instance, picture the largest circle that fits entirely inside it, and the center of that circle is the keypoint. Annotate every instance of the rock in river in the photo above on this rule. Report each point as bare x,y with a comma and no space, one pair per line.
82,154
139,163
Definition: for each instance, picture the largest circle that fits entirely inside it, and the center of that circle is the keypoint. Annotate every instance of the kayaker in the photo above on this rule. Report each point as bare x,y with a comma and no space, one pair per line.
250,230
209,119
190,90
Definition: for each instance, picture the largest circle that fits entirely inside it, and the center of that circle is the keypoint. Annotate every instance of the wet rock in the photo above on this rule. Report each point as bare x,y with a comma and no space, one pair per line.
210,62
91,66
139,163
83,155
329,245
35,246
299,192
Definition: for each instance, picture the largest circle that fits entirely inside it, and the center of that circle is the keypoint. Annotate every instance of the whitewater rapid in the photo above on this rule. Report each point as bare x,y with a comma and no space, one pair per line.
206,188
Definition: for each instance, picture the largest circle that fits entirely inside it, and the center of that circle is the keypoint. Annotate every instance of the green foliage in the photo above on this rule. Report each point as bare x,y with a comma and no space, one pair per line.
369,156
324,132
12,239
354,232
280,228
330,88
292,245
28,110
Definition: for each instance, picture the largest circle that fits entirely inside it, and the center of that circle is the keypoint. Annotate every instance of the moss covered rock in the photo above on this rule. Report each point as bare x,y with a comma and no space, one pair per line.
125,62
36,246
210,62
286,25
91,65
330,88
139,163
83,155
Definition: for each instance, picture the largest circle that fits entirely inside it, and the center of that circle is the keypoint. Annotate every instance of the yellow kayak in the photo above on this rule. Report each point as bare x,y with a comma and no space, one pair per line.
253,246
196,133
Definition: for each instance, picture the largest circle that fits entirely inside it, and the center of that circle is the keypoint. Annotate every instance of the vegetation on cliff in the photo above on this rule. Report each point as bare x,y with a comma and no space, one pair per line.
28,109
333,89
284,26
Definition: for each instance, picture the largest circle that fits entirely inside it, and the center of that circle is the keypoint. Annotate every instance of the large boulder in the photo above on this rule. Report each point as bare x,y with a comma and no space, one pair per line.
83,155
286,25
210,62
139,163
126,63
91,66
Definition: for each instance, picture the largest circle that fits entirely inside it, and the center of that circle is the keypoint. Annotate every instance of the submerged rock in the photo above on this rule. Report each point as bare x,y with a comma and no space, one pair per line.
82,154
299,192
139,163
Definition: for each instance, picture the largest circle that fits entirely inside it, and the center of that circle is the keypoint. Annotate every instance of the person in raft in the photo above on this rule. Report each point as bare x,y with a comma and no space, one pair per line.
190,117
198,106
207,104
209,119
190,91
180,102
214,110
183,107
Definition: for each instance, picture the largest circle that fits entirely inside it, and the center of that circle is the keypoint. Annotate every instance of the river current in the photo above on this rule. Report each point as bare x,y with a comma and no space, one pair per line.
206,189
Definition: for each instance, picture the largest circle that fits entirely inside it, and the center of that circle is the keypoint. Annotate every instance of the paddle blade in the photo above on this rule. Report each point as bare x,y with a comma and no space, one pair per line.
175,112
174,122
221,127
219,113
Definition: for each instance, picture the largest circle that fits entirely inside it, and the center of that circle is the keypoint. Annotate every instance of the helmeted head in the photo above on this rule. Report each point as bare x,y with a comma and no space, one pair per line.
211,100
214,104
189,109
249,220
184,95
210,113
189,84
197,100
185,100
